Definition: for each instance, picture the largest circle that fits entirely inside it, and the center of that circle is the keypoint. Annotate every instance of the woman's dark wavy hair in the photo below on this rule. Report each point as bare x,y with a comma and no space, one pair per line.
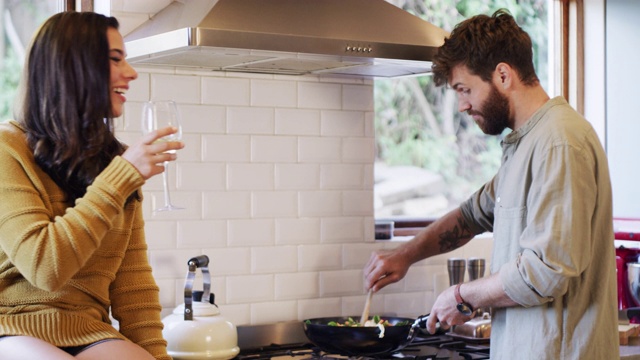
66,106
480,43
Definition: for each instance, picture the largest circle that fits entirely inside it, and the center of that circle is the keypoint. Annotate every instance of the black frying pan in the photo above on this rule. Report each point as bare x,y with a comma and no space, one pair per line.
362,341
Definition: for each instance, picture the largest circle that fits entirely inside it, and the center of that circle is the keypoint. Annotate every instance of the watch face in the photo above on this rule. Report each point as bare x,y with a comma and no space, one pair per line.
464,308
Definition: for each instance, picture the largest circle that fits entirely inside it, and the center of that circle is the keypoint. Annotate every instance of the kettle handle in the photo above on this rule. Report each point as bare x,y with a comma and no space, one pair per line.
202,262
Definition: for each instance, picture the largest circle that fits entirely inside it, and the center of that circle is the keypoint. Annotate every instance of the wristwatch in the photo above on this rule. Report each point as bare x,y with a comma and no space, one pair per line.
462,306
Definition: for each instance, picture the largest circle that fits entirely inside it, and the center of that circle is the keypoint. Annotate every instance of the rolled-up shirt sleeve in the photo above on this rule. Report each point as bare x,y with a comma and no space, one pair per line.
554,245
539,207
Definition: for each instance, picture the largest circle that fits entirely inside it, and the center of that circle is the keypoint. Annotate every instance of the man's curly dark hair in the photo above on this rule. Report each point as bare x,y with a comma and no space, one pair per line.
482,42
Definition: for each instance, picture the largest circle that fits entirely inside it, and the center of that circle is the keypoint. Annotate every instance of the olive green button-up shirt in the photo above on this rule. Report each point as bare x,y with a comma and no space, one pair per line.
550,210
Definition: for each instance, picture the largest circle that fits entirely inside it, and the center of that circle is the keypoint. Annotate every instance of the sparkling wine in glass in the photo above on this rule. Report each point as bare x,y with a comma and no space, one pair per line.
157,115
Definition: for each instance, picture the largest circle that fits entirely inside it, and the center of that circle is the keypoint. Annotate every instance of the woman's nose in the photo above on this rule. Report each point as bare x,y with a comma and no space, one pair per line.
131,73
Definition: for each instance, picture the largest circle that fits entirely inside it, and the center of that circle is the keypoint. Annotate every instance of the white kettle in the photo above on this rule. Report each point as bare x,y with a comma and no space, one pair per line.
195,330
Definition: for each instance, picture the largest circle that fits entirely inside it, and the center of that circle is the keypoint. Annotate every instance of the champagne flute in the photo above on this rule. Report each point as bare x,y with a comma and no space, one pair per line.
157,115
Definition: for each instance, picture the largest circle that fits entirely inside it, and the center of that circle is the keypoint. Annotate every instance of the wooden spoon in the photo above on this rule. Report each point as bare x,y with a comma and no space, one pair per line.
367,305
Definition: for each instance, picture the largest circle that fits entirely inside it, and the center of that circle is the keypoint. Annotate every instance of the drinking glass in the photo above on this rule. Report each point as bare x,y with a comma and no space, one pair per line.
157,115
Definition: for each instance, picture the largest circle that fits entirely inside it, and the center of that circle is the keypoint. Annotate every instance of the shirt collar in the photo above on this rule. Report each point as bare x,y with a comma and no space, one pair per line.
516,135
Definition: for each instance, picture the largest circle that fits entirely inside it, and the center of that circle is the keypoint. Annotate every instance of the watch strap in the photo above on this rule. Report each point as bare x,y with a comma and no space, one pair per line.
456,292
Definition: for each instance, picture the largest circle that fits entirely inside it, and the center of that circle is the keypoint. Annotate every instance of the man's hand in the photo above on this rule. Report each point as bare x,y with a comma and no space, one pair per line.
385,267
444,311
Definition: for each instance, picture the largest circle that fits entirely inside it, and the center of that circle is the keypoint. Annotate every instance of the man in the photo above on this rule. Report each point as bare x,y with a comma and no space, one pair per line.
552,285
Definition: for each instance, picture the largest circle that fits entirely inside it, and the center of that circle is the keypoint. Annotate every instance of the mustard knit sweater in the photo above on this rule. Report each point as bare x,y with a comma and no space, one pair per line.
62,268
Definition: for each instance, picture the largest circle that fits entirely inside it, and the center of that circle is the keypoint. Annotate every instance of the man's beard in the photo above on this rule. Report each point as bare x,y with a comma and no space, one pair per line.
494,112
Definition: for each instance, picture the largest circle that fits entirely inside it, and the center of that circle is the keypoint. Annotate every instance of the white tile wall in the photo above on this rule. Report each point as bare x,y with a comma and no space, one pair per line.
277,181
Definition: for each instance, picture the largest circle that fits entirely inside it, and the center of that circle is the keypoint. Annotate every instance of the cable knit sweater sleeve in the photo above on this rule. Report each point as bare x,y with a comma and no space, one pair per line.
134,296
46,248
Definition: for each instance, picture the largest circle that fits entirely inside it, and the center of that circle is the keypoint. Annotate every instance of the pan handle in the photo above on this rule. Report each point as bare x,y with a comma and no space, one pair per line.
420,322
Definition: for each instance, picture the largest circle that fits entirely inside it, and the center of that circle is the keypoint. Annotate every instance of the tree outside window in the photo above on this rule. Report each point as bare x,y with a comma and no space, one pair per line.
430,157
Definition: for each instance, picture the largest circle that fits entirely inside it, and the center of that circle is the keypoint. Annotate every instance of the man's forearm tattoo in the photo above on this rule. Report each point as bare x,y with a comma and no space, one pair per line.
452,239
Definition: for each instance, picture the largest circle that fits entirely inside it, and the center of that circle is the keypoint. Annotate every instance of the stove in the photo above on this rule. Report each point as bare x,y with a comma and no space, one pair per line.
286,341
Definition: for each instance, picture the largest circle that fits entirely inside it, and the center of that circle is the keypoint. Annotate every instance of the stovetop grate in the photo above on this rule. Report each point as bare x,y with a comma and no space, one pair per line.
428,348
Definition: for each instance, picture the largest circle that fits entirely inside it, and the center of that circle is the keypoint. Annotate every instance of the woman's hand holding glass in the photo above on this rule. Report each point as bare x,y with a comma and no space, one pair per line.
148,155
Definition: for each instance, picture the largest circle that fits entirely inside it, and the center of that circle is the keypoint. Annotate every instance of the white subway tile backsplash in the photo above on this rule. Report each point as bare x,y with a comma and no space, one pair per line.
274,149
368,182
247,120
320,203
341,176
343,229
271,312
139,88
229,261
183,89
273,93
192,150
357,97
420,278
226,205
357,202
313,95
290,286
226,148
297,231
341,283
197,176
319,257
319,150
409,305
358,150
250,176
277,181
251,232
297,176
203,119
198,234
342,123
266,204
297,122
161,235
317,308
132,121
226,91
274,259
250,288
369,124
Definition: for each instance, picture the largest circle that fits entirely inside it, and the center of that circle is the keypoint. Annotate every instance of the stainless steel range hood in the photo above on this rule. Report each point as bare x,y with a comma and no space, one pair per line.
364,38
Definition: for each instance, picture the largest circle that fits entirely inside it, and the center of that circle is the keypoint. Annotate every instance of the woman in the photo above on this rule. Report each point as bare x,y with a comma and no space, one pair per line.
72,244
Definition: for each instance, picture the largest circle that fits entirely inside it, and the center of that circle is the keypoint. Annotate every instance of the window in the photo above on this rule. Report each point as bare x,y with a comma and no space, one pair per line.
430,157
19,19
